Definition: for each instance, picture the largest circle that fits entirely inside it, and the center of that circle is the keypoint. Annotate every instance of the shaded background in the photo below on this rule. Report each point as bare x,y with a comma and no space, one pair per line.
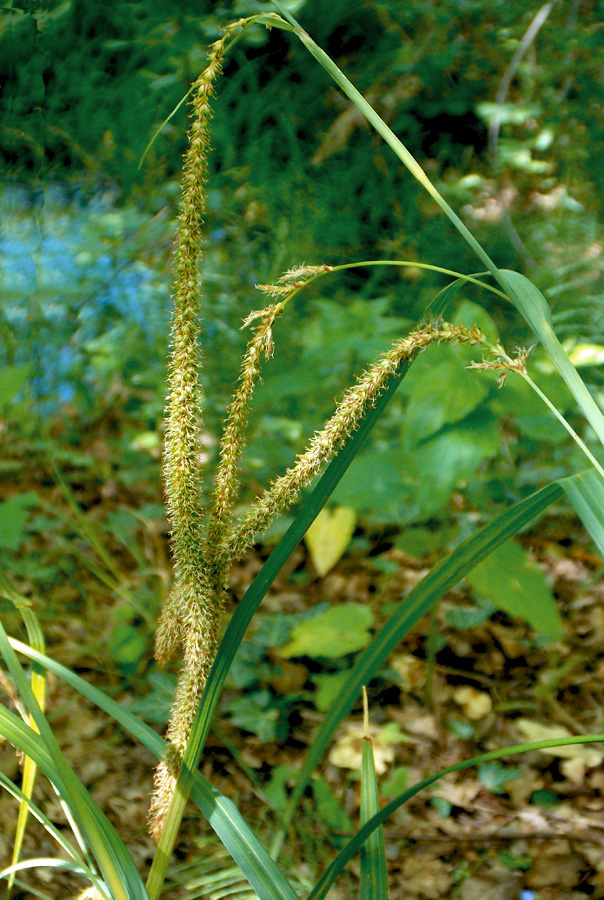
296,176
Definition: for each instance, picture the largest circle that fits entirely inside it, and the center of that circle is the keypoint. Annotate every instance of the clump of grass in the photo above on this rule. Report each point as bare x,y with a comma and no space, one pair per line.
205,543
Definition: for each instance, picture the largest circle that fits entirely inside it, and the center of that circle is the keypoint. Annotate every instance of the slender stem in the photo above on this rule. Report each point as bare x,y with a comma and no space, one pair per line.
432,645
563,421
399,263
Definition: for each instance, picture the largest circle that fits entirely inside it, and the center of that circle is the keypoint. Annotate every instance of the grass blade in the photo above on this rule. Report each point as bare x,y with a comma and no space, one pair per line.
534,307
442,578
327,879
221,813
37,813
374,869
38,686
586,493
386,133
116,864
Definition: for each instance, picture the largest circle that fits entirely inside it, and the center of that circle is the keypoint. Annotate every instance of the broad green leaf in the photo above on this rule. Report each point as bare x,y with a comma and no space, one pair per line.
378,484
518,398
327,688
494,776
256,712
329,536
328,807
543,426
12,380
453,456
442,391
374,869
396,783
586,493
337,631
13,516
510,580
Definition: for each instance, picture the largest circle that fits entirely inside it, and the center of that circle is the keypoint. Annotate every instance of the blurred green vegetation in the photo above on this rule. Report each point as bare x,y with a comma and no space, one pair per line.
296,176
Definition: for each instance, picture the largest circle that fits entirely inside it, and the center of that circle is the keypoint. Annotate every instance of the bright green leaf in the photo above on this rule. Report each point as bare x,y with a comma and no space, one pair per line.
442,391
335,632
397,783
510,580
328,807
12,380
443,807
327,689
494,776
451,457
13,515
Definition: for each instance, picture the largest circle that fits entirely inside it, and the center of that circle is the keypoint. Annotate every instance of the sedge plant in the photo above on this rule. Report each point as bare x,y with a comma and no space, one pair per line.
206,542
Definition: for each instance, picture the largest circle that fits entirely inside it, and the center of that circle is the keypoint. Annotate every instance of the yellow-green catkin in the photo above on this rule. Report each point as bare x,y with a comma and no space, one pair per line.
231,445
326,443
190,616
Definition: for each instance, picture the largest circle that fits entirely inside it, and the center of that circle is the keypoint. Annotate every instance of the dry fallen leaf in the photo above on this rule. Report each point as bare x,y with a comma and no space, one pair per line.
475,704
328,537
347,751
536,731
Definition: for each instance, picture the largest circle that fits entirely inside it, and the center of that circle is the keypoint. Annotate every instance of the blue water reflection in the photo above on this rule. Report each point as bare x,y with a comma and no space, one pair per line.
79,293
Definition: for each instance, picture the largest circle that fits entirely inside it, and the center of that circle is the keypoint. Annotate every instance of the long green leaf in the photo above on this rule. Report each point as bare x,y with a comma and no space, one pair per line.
327,879
40,863
586,493
38,685
441,579
534,307
222,814
374,868
385,132
116,864
522,293
37,813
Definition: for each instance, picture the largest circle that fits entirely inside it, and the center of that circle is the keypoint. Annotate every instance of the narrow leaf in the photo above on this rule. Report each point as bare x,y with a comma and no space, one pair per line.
113,859
534,307
322,887
38,686
586,493
441,579
262,873
374,869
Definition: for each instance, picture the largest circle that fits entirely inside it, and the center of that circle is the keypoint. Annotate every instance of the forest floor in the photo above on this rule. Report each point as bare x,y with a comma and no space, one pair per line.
527,828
